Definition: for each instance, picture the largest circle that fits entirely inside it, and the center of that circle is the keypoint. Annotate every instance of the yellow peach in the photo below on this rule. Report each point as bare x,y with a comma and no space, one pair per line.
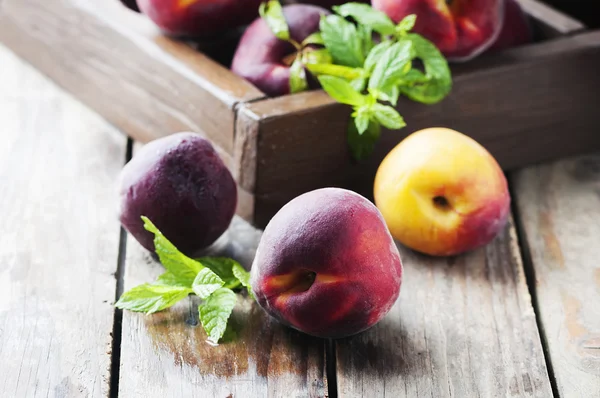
442,193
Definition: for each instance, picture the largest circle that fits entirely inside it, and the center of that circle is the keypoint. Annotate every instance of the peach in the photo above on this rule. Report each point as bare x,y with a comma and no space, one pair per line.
263,59
461,29
179,183
327,265
199,18
516,29
442,193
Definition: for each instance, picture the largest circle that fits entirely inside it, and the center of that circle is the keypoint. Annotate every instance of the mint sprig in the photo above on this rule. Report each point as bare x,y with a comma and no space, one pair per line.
272,13
367,63
210,278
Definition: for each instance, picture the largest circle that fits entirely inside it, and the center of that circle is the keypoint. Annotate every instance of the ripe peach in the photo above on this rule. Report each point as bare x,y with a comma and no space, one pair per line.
179,183
461,29
263,59
442,193
327,265
199,18
516,29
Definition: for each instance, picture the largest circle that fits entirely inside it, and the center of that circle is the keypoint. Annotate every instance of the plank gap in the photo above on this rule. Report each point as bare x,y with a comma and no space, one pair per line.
530,279
115,364
331,368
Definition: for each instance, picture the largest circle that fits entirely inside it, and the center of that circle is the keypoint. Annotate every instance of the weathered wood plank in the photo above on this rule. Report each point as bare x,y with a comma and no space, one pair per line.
117,62
59,239
559,207
166,354
462,327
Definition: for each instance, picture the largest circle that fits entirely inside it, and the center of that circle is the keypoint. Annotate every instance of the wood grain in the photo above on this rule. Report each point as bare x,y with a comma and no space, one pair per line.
559,207
462,327
59,239
118,63
551,22
526,105
166,354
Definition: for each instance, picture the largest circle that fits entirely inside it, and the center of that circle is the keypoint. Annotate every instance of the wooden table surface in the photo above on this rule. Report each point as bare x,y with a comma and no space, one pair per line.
520,317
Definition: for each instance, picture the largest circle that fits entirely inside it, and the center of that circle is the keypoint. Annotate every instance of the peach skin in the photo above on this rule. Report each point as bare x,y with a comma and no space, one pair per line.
327,264
441,193
461,29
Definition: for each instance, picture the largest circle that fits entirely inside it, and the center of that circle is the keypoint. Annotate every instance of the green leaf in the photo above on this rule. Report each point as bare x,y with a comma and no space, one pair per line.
206,283
222,266
362,122
340,90
388,116
362,145
319,56
439,79
168,279
366,36
406,25
359,84
215,312
342,40
298,82
182,267
375,54
272,13
391,66
390,94
152,298
314,38
368,16
244,277
345,72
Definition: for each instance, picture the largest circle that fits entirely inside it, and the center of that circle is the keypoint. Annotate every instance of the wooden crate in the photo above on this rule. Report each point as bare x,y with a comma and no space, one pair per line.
526,105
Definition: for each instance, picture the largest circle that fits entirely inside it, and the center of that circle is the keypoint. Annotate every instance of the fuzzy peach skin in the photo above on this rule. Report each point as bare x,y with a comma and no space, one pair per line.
461,29
441,193
327,264
199,18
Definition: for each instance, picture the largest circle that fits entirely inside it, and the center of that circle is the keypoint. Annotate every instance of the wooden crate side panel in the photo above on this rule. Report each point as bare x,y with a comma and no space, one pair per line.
533,104
117,62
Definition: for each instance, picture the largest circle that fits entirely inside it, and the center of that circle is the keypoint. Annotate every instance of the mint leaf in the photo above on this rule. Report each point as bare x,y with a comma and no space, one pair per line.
243,276
222,266
362,122
342,40
367,16
365,34
206,283
345,72
168,279
387,116
362,145
406,25
439,79
391,66
340,90
182,267
359,84
375,54
390,95
314,38
152,298
215,312
320,56
272,13
298,82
